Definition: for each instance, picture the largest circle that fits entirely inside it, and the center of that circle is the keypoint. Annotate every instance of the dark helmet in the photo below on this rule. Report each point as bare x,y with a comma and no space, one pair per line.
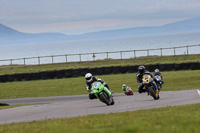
141,69
88,77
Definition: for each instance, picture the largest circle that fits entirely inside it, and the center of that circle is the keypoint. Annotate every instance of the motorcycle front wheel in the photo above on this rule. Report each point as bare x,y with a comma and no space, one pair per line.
104,98
153,93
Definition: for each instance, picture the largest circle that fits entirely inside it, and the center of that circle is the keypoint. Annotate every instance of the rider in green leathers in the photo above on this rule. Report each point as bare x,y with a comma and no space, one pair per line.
91,79
124,87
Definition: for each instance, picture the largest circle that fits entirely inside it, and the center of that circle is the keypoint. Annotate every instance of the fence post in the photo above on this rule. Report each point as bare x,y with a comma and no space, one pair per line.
66,58
161,51
174,51
52,59
80,57
187,50
39,60
93,56
107,55
121,54
24,61
10,61
134,53
147,52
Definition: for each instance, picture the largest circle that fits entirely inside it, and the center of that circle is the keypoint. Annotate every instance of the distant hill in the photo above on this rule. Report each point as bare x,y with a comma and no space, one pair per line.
186,26
11,36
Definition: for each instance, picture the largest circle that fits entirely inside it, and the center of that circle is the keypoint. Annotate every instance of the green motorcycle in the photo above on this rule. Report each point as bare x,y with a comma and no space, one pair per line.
102,93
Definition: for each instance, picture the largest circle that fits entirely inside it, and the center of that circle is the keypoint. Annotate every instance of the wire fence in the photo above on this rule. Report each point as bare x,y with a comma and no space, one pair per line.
182,50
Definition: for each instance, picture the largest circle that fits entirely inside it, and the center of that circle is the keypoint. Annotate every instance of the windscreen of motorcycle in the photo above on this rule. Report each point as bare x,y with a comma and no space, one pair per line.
147,79
95,85
158,78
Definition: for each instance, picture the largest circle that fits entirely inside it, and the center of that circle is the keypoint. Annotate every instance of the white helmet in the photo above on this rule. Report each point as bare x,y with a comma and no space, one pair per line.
88,77
156,70
123,85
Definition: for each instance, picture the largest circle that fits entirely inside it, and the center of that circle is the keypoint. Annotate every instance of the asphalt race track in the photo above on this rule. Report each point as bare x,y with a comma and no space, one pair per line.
79,105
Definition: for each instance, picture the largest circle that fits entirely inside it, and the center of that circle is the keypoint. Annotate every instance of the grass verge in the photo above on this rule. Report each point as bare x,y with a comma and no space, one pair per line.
178,119
99,63
174,80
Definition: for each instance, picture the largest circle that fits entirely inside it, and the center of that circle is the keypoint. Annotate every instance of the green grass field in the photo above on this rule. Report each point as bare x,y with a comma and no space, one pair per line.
174,80
100,63
178,119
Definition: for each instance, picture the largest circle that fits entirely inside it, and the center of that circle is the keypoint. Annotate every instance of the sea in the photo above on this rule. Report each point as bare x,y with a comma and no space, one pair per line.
86,50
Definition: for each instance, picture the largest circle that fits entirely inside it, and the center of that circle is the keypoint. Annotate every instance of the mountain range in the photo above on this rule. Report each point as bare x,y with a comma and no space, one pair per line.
11,36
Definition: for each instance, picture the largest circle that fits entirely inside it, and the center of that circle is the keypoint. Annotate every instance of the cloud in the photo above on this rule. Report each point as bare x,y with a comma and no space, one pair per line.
22,14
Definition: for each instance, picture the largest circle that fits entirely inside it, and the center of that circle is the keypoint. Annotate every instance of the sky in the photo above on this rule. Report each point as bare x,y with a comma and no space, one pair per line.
83,16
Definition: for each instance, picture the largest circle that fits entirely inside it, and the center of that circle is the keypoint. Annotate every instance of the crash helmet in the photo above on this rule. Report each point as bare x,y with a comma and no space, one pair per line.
156,71
141,69
88,77
123,85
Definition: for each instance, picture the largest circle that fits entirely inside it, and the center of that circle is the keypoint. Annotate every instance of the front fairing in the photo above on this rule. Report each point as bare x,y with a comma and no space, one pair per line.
158,78
128,89
98,88
147,79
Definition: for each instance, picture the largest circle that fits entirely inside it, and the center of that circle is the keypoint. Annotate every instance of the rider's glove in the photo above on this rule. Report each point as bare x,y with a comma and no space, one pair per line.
88,90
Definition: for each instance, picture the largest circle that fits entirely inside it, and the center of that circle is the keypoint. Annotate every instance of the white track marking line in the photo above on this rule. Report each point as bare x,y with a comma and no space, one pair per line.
198,92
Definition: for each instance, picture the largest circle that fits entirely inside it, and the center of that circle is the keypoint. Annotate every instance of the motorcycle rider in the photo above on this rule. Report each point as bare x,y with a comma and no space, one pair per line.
139,76
91,79
124,87
157,72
